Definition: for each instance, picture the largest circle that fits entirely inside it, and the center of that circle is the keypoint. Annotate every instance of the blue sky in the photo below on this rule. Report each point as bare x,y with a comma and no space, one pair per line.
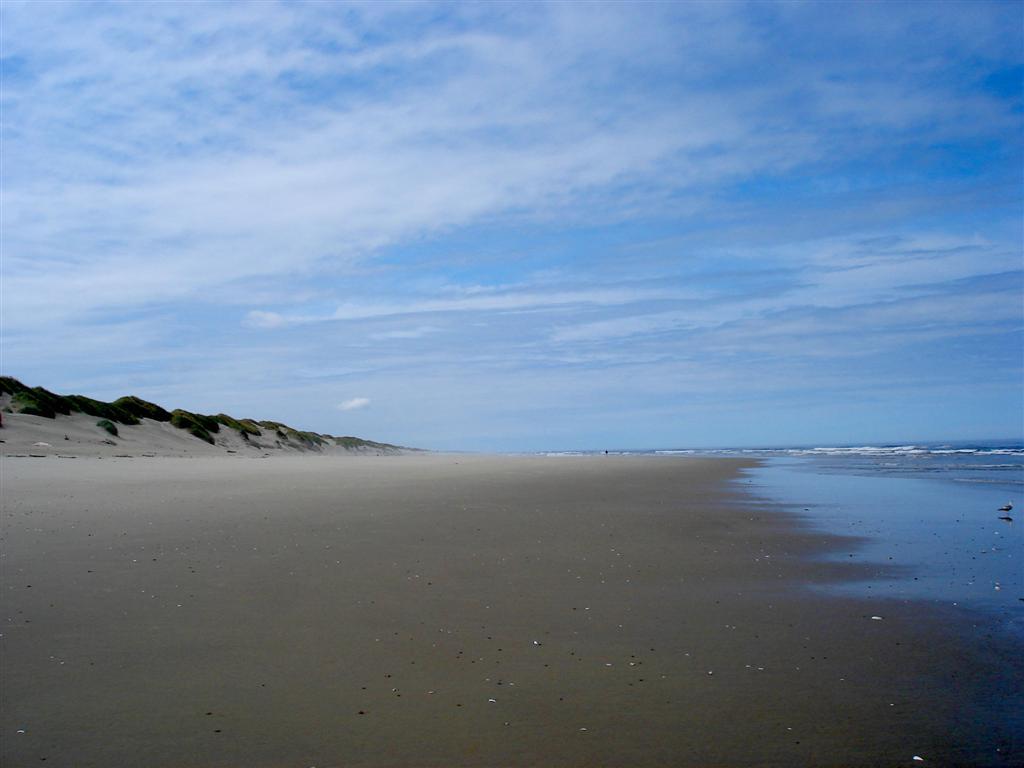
523,226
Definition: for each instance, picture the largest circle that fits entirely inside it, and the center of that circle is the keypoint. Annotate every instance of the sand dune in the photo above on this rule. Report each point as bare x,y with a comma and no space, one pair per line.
37,422
77,435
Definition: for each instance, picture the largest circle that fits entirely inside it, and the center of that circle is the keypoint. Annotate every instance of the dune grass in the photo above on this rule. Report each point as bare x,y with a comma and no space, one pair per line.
209,423
302,438
37,401
142,409
254,426
245,426
108,411
108,425
11,386
308,439
352,443
195,424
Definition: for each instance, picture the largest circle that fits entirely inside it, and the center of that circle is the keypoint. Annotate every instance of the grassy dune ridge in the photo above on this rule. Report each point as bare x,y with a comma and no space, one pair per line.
130,410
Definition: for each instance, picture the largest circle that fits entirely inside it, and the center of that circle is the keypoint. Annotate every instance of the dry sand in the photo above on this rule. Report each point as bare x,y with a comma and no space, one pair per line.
450,610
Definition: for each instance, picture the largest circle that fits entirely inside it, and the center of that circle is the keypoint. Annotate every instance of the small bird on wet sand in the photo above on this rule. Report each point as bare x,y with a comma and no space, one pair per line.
1006,507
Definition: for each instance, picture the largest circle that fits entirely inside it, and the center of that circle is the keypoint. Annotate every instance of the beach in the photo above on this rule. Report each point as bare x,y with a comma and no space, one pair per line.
449,610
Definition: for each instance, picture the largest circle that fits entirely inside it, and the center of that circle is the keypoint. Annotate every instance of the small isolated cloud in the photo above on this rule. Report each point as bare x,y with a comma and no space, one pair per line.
354,404
260,319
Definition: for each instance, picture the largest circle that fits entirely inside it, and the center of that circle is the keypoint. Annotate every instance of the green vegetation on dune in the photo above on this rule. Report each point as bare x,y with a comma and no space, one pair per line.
24,402
37,401
130,410
40,402
253,425
143,409
108,425
298,437
245,426
308,439
11,386
209,423
195,424
349,443
98,408
292,435
317,440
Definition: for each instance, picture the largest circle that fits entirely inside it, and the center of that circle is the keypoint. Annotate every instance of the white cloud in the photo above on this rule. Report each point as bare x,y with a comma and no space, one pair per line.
216,170
260,319
405,333
511,301
354,404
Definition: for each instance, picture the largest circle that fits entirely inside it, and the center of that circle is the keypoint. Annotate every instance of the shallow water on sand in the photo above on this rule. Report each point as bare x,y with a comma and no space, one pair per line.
944,535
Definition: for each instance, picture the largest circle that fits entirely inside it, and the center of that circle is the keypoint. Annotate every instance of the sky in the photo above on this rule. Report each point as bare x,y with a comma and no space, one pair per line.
520,227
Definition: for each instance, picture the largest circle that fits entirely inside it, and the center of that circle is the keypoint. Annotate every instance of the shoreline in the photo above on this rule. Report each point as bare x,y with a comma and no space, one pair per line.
288,597
930,537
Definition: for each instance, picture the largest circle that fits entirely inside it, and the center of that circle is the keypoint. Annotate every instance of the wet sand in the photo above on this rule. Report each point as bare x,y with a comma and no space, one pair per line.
449,610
